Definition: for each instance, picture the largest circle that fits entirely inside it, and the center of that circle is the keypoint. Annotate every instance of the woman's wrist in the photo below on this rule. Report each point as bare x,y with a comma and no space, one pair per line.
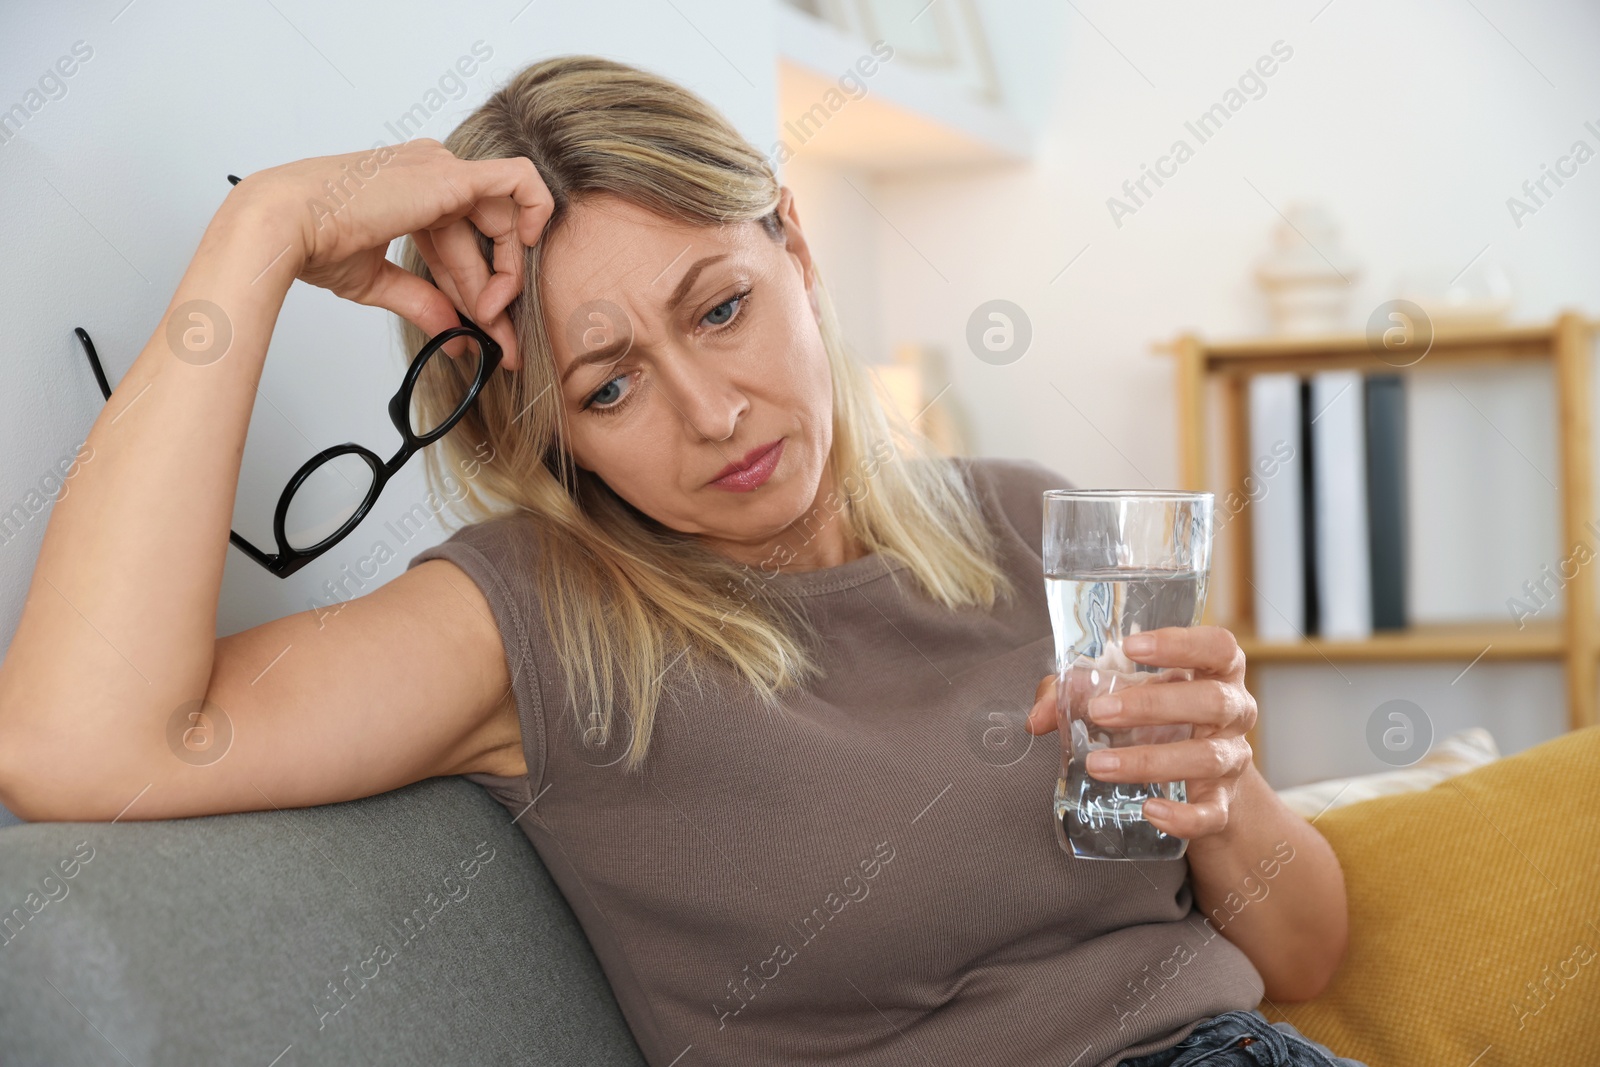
256,228
1273,885
226,305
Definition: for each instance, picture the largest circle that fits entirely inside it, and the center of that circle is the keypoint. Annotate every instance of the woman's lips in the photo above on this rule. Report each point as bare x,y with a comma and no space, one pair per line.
755,473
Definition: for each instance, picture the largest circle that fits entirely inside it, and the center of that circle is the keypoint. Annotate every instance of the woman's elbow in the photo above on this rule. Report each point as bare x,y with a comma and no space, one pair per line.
1312,970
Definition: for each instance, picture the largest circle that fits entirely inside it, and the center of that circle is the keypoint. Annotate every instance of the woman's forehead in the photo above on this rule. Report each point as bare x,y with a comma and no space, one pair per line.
604,237
609,249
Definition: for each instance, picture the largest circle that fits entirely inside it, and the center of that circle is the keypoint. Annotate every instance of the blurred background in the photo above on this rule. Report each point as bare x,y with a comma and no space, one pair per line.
1049,226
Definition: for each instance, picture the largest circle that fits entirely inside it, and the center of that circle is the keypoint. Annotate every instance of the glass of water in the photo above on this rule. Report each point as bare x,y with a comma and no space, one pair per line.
1117,562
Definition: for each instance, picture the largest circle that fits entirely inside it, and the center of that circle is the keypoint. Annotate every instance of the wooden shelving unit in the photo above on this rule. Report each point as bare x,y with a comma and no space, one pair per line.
1540,639
1565,343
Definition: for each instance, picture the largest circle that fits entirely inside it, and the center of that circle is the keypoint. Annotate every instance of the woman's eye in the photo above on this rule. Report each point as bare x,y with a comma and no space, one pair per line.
607,399
723,311
606,395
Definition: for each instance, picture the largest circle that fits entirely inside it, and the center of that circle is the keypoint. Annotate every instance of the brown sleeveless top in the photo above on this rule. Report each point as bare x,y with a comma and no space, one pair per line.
871,876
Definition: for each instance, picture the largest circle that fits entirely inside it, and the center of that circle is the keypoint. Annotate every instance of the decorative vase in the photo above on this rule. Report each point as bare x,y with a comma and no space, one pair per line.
1307,277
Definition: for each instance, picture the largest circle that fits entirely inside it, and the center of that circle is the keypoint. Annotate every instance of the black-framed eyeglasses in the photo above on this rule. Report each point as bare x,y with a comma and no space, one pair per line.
330,492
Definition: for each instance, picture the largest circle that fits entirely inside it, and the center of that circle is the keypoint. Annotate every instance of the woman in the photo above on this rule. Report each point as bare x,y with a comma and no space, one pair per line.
746,660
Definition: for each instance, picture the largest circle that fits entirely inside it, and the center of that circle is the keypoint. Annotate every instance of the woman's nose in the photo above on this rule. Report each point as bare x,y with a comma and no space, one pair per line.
709,401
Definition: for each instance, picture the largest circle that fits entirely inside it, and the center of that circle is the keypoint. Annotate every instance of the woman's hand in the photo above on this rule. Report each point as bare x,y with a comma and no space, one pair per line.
1215,701
352,206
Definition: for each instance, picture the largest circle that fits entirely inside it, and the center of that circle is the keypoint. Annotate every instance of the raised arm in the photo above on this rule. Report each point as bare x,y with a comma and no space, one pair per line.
118,629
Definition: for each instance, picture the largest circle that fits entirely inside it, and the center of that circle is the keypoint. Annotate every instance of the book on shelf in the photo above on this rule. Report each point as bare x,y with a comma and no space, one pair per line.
1343,551
1308,511
1328,504
1277,521
1386,498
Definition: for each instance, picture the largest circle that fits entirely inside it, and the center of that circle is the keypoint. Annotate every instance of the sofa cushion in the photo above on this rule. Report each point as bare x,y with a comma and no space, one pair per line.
1474,918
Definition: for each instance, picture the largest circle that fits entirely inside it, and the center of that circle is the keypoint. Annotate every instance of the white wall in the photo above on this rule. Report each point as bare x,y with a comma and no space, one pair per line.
1413,123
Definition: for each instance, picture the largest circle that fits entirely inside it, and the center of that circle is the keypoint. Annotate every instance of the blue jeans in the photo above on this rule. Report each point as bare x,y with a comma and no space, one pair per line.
1243,1039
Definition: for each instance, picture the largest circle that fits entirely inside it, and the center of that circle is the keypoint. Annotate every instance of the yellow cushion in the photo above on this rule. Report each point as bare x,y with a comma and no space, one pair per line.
1474,918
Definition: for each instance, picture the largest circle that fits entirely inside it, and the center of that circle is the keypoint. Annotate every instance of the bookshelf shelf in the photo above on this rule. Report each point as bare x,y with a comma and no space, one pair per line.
1565,343
1306,355
1538,640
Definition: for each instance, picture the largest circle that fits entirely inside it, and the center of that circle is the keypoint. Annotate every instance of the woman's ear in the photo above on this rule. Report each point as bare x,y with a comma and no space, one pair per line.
794,243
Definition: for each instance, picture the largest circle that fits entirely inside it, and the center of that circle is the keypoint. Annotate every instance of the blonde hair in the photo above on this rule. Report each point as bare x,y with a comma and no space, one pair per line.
625,596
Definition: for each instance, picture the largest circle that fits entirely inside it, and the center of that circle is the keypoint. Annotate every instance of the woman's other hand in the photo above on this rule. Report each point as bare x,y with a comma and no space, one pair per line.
1216,702
352,206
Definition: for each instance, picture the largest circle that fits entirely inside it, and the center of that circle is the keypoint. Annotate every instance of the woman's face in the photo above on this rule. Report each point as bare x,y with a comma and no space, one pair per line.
680,350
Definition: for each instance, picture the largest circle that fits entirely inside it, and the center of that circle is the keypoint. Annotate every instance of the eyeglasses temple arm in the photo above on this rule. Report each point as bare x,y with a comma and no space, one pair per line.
88,345
250,550
94,360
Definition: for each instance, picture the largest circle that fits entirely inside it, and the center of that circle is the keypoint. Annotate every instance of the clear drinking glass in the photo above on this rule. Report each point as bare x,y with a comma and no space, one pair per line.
1117,562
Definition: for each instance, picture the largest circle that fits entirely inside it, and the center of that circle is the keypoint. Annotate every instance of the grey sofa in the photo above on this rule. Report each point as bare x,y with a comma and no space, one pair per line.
414,927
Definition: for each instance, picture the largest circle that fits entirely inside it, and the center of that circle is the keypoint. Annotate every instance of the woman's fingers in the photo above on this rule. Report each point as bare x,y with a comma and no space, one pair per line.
508,202
1203,701
1047,685
412,298
451,189
1042,716
1189,820
458,268
1212,649
417,185
499,220
516,179
456,242
447,282
444,202
483,295
1171,761
456,276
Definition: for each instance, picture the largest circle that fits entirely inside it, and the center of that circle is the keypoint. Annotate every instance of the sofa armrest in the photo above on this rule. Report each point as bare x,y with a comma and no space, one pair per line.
1474,917
414,927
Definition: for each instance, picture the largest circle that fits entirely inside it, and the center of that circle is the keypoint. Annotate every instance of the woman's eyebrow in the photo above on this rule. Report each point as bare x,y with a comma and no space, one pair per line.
618,348
689,277
608,353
